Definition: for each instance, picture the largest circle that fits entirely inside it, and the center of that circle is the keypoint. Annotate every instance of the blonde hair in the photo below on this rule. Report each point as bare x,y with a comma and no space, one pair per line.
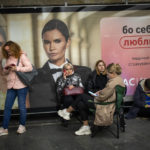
114,68
96,67
68,64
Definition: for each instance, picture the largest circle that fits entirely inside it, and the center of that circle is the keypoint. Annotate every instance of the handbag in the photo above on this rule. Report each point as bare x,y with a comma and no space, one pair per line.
27,77
73,91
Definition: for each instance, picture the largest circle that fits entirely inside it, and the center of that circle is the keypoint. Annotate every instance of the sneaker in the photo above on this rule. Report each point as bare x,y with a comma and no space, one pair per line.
3,131
64,114
21,129
84,130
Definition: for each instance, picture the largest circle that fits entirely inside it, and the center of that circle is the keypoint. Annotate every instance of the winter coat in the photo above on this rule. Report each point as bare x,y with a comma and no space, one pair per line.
104,113
73,79
92,82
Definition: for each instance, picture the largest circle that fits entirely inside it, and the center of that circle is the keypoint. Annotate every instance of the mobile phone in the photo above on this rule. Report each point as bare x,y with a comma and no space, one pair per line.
12,65
8,67
64,71
93,94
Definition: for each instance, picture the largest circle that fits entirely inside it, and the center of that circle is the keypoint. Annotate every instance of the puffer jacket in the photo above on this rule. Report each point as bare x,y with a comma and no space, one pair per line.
24,66
73,79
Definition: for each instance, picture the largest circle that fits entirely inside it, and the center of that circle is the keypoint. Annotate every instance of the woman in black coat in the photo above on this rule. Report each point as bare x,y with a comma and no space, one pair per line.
98,78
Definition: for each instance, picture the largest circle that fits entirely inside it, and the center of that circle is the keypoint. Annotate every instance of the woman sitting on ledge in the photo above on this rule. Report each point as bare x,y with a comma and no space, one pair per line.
70,102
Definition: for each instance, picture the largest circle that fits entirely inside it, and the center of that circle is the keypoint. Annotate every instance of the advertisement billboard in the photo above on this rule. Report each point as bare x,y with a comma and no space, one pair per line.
118,34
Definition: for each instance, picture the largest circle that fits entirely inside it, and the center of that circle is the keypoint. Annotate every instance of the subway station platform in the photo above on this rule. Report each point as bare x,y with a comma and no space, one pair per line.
47,133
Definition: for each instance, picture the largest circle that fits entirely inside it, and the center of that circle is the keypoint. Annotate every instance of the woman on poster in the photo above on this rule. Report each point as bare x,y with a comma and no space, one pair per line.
56,39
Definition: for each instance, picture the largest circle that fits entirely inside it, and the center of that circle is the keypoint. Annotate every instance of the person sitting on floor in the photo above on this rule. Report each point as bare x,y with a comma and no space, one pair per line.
141,99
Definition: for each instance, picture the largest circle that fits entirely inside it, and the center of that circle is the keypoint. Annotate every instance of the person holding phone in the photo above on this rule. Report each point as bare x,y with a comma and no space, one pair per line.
96,82
71,102
104,113
15,88
56,39
69,79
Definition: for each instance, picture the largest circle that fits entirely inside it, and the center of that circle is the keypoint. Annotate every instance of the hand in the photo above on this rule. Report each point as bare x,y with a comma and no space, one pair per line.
97,93
13,68
70,87
10,66
6,70
64,74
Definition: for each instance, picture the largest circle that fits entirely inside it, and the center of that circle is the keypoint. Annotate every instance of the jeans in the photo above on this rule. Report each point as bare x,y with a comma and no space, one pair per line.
10,98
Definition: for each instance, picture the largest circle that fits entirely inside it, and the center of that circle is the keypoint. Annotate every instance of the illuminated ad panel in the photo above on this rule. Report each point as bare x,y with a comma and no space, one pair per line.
126,40
118,34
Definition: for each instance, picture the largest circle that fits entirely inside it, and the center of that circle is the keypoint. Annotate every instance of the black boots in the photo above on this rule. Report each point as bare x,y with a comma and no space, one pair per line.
64,122
94,130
